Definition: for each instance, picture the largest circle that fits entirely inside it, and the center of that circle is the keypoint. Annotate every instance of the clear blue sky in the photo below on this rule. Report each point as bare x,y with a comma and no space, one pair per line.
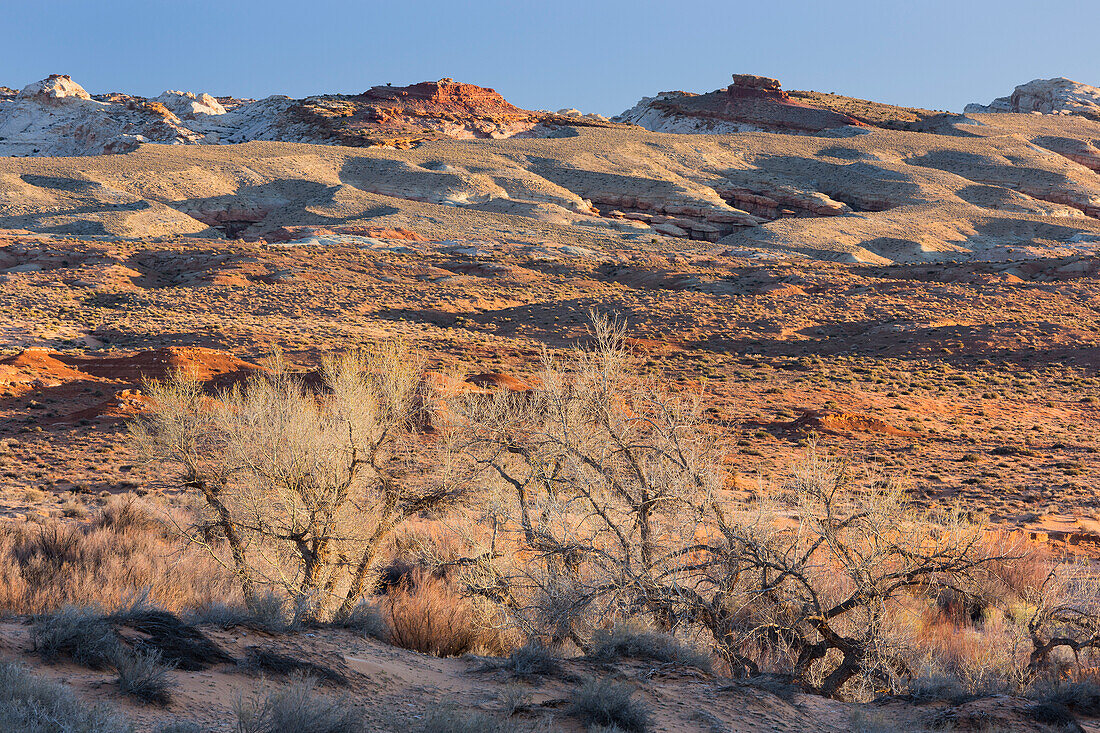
598,56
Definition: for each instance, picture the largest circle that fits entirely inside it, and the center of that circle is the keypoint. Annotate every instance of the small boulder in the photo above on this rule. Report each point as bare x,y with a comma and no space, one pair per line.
751,81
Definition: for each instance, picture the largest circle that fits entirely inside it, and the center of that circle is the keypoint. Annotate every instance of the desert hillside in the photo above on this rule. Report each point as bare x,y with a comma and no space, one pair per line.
752,409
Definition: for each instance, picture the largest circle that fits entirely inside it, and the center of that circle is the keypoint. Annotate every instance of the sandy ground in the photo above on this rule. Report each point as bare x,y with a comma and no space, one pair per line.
395,689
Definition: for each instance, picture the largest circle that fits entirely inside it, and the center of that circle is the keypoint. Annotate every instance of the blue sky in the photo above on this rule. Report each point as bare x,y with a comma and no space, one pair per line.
596,56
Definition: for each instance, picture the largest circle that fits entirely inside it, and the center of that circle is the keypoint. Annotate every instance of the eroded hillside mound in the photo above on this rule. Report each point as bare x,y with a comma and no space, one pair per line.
867,194
791,173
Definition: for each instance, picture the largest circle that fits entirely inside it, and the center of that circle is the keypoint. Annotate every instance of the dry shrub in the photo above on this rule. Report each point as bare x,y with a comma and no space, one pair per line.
121,554
143,676
428,615
636,641
974,658
604,704
595,489
530,662
81,634
980,643
453,719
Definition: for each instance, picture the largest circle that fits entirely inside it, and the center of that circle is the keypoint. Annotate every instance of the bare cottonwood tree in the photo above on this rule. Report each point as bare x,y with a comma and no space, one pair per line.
612,504
601,485
1064,626
303,486
820,574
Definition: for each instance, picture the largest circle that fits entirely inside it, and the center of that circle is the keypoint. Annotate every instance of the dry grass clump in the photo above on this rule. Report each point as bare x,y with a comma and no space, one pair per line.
29,704
454,720
610,704
428,615
89,639
143,675
635,641
80,634
1081,695
143,663
220,615
121,553
531,662
297,708
366,617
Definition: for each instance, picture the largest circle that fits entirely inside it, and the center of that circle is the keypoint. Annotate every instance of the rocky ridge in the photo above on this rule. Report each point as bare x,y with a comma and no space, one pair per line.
886,184
58,117
759,104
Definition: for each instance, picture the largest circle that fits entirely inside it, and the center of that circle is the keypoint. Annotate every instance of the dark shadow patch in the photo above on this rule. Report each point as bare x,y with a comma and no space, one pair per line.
179,643
243,212
269,661
843,153
54,183
1049,713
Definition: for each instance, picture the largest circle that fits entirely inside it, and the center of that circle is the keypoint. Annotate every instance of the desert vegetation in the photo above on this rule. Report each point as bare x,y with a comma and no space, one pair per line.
34,705
593,517
610,505
124,550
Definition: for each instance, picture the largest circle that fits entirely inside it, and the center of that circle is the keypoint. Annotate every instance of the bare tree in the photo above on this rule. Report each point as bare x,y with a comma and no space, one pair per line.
611,503
1065,620
820,574
303,486
601,489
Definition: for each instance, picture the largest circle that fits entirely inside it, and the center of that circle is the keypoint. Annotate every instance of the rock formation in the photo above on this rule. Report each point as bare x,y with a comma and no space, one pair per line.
55,86
187,105
744,82
1047,96
56,116
759,104
750,104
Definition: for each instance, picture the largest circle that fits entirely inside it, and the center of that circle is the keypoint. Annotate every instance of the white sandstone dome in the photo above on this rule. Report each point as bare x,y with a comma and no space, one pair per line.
55,86
187,105
1047,96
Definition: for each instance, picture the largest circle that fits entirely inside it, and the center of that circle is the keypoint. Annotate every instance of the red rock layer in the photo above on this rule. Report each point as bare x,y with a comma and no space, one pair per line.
446,96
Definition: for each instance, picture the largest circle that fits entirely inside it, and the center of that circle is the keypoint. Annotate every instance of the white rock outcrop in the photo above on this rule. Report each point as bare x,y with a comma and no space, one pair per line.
55,86
57,117
188,105
571,112
1047,96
